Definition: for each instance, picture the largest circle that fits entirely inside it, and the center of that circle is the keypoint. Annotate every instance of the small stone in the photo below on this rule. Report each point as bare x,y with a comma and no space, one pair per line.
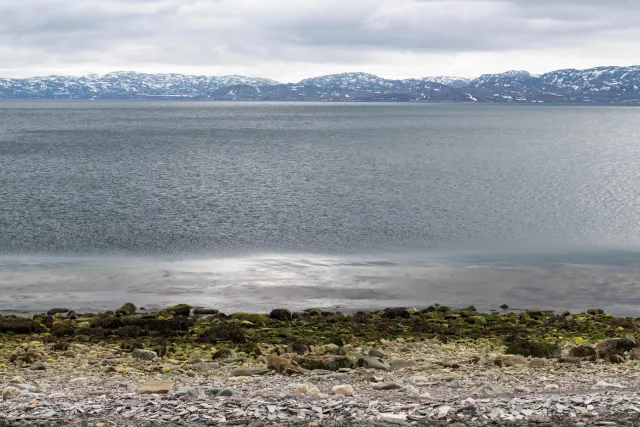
419,380
10,393
187,391
635,354
17,380
601,385
307,390
401,364
392,417
550,387
522,389
226,392
387,386
447,378
39,367
155,386
141,354
443,411
343,389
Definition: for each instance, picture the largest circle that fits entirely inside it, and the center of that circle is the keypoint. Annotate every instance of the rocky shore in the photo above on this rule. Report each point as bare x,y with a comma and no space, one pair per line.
188,366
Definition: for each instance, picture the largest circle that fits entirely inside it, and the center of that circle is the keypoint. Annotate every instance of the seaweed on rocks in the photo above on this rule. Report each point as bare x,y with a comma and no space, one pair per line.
130,346
63,329
281,314
130,331
60,346
224,332
180,309
19,325
392,313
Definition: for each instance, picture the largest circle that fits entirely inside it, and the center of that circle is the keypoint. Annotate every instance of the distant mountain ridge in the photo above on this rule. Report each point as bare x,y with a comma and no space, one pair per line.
600,85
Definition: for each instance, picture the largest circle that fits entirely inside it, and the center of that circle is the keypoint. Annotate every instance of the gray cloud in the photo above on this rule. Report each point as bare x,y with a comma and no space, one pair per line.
276,36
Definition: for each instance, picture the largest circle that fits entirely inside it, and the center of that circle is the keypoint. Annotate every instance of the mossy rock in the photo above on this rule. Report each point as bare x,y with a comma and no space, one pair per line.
62,329
127,308
253,318
313,312
478,320
205,311
595,311
281,314
19,325
180,309
224,332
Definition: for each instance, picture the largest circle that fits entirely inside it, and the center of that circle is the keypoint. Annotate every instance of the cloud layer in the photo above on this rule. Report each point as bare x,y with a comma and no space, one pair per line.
292,39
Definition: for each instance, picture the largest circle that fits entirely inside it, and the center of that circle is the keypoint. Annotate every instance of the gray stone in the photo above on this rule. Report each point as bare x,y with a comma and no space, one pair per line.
141,354
343,389
372,363
400,363
227,392
188,391
10,393
247,372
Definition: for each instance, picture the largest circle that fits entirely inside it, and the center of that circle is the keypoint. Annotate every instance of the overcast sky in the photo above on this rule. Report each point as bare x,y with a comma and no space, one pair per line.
288,40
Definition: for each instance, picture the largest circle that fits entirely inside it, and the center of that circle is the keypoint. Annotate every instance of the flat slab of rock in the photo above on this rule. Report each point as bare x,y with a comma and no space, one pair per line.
401,364
387,386
155,386
247,372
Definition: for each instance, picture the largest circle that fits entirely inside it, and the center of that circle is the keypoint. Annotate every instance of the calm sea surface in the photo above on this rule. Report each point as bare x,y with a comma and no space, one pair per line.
250,206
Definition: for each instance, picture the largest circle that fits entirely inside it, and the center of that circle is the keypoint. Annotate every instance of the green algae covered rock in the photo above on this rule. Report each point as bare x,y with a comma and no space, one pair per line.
179,309
127,308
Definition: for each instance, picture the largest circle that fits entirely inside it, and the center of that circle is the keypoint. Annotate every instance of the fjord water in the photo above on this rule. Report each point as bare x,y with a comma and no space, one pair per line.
248,206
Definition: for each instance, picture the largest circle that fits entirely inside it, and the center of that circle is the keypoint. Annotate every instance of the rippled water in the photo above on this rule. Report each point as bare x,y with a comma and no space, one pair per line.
360,205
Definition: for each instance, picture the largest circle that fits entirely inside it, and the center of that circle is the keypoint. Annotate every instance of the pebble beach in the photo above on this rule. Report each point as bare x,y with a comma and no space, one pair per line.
437,366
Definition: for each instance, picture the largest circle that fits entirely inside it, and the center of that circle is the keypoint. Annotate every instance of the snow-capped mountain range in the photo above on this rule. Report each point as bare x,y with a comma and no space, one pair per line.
601,85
